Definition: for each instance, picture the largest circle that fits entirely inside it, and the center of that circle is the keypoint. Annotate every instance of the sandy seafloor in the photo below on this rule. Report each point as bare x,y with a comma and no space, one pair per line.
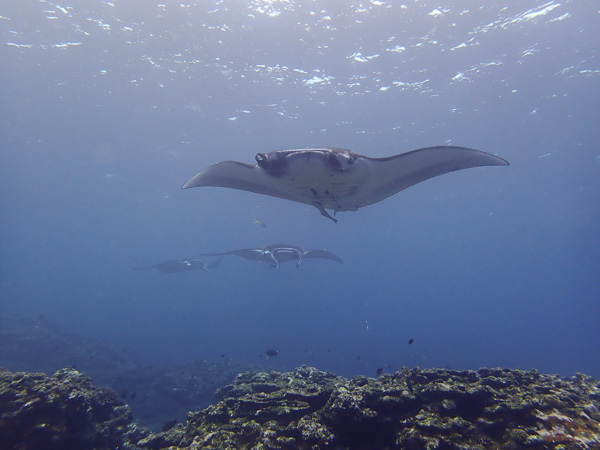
109,107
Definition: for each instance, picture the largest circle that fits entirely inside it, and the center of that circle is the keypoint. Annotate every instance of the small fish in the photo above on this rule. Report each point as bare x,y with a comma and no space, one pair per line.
132,396
379,371
260,223
271,353
222,355
410,341
124,394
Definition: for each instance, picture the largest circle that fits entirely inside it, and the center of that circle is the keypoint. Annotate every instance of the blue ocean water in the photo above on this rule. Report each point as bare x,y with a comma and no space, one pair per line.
109,107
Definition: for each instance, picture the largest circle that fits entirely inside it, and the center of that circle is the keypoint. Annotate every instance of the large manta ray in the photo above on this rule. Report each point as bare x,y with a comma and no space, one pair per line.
274,255
338,179
180,265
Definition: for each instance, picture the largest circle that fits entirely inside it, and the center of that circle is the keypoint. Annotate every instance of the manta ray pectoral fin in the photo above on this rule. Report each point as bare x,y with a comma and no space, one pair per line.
212,265
247,253
244,177
393,174
324,213
323,254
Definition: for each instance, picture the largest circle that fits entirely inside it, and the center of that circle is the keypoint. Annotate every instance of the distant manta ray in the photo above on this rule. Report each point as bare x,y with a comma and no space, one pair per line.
180,265
337,179
274,255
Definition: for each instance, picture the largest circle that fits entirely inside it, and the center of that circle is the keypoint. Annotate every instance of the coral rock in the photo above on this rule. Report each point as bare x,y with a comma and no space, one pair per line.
58,412
413,408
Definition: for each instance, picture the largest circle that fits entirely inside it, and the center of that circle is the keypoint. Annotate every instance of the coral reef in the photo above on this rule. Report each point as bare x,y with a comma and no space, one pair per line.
413,409
310,409
60,412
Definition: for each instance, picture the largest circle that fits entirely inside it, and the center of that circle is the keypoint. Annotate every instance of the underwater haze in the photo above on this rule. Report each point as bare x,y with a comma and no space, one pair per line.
109,107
